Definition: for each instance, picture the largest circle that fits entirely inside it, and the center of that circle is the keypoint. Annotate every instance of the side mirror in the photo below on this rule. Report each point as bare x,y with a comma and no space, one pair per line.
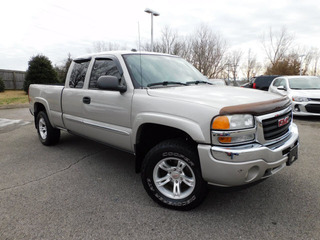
110,83
282,88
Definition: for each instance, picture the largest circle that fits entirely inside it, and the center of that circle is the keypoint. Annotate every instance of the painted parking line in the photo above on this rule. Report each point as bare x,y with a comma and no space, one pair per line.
11,124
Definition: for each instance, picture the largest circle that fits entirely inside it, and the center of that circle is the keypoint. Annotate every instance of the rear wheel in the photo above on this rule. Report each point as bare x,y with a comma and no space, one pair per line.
48,135
171,175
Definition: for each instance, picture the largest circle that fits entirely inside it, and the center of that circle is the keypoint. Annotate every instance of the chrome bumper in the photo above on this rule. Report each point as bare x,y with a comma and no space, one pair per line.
234,166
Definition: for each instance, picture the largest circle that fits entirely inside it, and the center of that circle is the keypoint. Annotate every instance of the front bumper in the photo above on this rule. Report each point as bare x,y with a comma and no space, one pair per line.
310,108
234,166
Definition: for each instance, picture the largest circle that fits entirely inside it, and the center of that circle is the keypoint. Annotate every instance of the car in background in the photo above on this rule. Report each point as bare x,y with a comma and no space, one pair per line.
261,82
246,85
304,91
218,82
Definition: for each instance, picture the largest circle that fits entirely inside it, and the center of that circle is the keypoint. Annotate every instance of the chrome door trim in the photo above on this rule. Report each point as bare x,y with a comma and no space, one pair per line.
107,127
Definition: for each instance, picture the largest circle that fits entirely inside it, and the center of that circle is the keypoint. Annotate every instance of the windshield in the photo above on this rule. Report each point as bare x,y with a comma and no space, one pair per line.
148,70
304,83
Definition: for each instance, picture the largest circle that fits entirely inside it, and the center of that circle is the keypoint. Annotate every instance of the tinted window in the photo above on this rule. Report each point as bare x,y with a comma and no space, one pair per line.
78,74
103,67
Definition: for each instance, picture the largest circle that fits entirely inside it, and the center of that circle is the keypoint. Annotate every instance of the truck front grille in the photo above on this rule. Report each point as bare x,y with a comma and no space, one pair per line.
277,126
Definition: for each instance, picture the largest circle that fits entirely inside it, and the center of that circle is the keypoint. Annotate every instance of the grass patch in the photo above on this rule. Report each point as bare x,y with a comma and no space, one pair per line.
13,97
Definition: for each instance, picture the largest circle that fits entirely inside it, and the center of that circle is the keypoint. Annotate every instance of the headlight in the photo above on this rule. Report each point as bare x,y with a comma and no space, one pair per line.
300,99
233,128
232,122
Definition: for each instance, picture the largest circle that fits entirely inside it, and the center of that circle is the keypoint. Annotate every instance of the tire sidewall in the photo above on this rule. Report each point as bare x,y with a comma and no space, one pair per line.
43,116
164,151
53,134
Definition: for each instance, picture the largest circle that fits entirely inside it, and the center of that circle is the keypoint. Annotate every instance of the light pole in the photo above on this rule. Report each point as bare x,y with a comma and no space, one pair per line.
228,65
301,56
153,13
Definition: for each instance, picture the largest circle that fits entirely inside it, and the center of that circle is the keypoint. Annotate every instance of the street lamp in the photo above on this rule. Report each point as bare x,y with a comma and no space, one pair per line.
301,56
153,13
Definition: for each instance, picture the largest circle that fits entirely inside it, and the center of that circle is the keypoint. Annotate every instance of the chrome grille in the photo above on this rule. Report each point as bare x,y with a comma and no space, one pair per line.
272,127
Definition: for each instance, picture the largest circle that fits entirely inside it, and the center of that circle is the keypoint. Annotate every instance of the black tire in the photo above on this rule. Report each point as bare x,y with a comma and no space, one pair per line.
48,135
171,175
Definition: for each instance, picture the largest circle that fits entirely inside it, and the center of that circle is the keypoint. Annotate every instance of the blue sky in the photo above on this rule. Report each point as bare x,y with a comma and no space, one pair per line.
58,27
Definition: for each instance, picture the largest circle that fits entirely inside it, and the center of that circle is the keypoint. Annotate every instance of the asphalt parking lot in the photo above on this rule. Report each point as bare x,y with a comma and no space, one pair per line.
80,189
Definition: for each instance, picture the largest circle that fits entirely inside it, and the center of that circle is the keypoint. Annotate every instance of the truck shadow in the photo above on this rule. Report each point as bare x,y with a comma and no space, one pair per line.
115,170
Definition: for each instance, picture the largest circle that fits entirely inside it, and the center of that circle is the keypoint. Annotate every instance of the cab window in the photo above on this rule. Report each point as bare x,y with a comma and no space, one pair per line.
100,68
78,74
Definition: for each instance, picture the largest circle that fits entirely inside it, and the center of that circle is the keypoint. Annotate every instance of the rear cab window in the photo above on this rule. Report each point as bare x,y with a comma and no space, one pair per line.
78,73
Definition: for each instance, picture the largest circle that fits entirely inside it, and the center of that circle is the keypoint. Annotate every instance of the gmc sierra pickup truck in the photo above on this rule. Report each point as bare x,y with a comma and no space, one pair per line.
183,131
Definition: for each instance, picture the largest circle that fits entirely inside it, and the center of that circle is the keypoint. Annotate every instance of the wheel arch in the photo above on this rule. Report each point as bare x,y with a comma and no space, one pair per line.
41,105
149,135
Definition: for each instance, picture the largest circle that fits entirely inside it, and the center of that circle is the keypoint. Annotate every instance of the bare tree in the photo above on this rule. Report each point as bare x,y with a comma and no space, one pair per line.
251,67
168,39
182,48
170,43
100,46
204,49
207,52
315,62
234,59
276,45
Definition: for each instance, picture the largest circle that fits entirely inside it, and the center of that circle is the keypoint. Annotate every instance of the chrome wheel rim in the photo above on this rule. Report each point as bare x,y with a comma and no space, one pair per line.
174,178
43,129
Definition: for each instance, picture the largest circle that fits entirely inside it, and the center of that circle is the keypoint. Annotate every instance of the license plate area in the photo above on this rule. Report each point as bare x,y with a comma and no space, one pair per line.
293,155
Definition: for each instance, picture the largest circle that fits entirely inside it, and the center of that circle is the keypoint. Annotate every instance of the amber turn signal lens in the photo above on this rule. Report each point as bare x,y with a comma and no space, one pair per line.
221,122
225,139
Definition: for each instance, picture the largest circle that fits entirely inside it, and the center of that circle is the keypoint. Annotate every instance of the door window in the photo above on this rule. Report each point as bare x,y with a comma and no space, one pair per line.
277,82
103,67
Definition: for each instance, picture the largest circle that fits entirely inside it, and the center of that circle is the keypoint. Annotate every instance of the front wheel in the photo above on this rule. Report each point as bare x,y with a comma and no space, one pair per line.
48,135
172,177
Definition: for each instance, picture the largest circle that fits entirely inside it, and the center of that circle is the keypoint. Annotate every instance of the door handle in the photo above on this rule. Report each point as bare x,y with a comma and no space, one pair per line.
86,100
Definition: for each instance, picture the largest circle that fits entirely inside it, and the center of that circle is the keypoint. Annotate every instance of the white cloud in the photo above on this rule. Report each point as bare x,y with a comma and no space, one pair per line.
58,27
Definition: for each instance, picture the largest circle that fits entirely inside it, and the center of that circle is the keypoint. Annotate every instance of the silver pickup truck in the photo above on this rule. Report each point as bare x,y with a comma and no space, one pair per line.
183,131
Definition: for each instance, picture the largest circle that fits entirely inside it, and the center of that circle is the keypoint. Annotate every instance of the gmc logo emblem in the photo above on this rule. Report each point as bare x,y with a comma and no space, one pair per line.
283,121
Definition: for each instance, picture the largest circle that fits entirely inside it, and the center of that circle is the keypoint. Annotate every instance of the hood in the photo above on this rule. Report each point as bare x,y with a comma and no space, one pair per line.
229,100
305,93
215,96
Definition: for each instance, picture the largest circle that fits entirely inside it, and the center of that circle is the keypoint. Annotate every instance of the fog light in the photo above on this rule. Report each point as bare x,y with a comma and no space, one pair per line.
252,173
296,108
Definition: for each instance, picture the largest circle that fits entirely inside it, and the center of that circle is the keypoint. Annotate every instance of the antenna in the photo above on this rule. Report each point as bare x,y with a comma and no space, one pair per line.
140,54
139,36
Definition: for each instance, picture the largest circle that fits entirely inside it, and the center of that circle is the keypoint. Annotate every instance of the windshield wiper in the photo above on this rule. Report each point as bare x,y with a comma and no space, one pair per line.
197,82
165,83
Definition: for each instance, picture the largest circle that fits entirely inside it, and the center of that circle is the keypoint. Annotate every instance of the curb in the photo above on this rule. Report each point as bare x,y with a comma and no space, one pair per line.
10,106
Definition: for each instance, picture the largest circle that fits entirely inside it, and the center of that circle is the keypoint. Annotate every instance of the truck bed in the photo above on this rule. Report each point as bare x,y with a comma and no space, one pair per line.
50,97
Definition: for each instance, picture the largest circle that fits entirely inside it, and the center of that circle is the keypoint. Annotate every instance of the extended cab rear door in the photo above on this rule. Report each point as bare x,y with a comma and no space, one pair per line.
101,115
